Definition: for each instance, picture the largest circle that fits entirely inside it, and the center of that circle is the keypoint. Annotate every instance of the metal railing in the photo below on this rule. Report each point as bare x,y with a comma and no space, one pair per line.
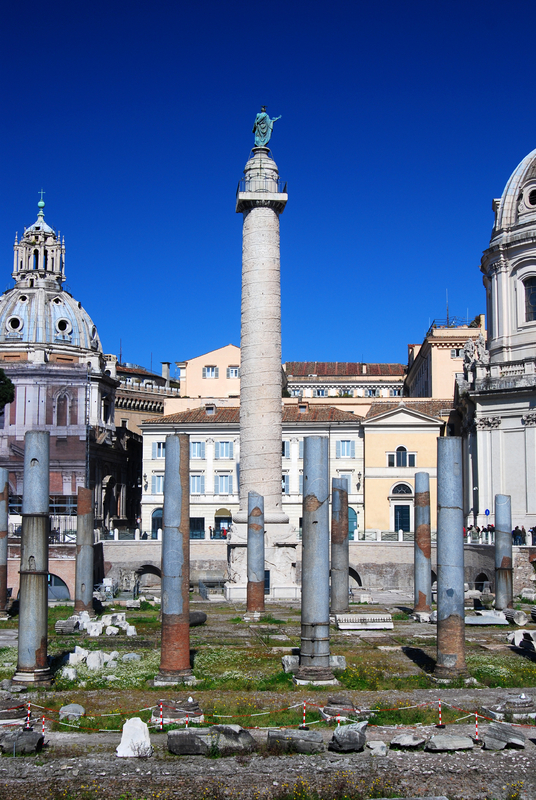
262,185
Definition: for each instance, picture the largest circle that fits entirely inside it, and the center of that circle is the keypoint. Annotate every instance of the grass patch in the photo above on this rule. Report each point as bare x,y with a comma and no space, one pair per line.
271,620
505,670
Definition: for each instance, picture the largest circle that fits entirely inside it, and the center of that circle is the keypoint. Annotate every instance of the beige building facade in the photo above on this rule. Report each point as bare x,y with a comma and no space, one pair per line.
434,364
213,374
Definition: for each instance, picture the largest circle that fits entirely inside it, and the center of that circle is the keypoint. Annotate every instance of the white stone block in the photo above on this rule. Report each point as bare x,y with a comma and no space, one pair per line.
78,657
95,660
69,673
135,740
131,630
111,630
94,629
106,619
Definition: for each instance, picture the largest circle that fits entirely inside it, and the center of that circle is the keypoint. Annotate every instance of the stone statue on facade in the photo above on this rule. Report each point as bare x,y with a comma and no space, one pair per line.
468,353
482,355
262,127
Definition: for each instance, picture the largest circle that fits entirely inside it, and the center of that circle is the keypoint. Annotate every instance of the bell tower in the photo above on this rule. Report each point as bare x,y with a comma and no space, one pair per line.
39,257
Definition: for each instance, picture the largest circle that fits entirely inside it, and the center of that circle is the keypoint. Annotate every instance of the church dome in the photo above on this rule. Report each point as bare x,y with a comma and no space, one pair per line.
517,205
44,316
38,310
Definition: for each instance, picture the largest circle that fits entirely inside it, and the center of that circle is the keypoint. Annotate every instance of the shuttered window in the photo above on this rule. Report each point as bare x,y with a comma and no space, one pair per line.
223,484
159,449
197,450
345,448
223,450
197,484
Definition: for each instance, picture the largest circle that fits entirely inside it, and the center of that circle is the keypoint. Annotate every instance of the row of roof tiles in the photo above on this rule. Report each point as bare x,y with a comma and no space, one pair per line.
300,369
292,413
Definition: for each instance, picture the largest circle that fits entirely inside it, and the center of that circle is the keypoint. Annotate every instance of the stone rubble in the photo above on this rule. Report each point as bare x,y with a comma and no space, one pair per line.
500,735
349,738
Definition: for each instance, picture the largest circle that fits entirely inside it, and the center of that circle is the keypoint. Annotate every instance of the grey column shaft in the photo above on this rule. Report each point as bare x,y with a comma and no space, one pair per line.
450,564
340,560
32,666
83,592
315,554
255,553
504,590
4,507
175,655
423,543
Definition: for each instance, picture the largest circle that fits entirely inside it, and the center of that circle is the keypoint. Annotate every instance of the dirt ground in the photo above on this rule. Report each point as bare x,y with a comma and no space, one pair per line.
84,765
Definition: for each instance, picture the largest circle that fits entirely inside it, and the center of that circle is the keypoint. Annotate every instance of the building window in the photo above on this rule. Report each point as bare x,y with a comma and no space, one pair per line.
401,458
402,488
530,299
456,352
285,448
197,527
61,411
301,483
197,484
394,392
372,392
300,452
345,449
285,484
347,477
296,393
159,449
157,484
223,484
233,372
197,450
320,393
223,450
211,372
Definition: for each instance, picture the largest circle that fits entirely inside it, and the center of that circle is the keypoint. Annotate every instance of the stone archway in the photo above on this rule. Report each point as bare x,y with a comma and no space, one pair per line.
355,579
149,576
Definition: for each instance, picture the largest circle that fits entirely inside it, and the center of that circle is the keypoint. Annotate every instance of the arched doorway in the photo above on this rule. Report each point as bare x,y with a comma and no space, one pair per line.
57,588
480,580
156,522
401,507
222,522
352,523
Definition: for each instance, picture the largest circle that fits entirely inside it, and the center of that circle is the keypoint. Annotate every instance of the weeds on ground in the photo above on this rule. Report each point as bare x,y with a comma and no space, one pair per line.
505,670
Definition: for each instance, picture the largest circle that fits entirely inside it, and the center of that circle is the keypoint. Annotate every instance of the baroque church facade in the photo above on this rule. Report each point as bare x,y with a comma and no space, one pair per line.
497,393
64,384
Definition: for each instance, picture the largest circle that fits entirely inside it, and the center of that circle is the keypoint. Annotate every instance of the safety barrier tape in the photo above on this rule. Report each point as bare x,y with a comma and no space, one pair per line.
301,705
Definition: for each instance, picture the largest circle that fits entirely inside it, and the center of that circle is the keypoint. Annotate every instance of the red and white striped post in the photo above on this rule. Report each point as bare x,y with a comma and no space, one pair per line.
28,716
338,720
161,718
304,707
43,726
440,723
476,727
187,719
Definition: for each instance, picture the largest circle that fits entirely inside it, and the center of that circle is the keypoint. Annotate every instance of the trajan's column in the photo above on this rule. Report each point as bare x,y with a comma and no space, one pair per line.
261,199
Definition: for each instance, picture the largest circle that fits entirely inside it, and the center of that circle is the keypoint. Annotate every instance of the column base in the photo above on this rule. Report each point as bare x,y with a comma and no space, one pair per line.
450,674
38,677
173,678
317,676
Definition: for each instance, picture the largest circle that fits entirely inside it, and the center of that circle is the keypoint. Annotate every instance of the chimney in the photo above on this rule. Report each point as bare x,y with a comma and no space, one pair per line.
165,371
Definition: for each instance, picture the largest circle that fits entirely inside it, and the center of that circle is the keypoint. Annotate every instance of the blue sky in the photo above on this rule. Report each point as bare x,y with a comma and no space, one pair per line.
400,122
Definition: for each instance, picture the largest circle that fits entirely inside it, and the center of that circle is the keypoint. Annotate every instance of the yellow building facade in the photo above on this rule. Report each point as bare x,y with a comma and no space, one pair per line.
398,442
